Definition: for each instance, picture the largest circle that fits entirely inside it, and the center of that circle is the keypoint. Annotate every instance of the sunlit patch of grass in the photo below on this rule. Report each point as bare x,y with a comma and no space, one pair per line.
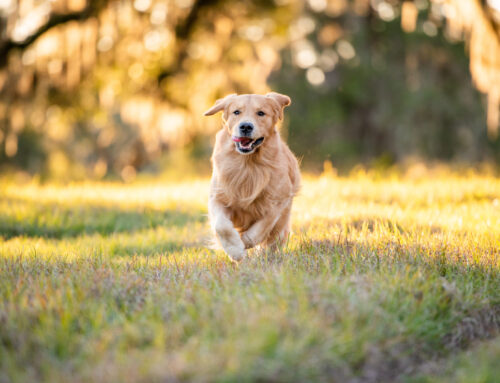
112,282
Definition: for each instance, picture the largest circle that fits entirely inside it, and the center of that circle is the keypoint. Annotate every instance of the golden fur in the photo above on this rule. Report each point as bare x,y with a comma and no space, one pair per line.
251,194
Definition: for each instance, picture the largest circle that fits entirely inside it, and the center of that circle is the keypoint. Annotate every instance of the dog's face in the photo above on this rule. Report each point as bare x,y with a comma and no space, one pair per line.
250,118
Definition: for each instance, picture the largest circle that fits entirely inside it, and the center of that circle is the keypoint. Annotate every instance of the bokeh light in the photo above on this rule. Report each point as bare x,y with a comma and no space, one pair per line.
115,84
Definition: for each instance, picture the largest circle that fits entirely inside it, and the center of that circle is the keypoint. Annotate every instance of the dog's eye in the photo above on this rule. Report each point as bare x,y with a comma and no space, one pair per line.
236,112
261,113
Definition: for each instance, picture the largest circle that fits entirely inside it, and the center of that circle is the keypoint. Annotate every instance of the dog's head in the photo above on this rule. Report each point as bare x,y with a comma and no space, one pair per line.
250,118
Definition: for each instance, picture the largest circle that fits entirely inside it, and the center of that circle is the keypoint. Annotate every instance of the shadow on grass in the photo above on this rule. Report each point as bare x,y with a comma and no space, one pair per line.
54,220
161,247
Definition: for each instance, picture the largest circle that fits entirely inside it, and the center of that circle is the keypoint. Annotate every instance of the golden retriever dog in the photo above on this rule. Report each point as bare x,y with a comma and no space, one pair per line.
255,175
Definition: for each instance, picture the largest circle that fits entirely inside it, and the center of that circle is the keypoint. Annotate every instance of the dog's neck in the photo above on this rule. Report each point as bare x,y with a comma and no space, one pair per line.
245,176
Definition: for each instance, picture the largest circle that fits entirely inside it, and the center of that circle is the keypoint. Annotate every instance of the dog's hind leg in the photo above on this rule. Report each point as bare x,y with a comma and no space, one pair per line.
267,229
280,232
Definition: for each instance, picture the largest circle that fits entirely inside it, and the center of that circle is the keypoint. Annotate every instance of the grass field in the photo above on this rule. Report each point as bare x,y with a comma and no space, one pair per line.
391,279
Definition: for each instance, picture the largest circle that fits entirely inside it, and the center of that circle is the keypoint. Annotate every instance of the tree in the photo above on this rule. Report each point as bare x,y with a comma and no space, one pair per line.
109,85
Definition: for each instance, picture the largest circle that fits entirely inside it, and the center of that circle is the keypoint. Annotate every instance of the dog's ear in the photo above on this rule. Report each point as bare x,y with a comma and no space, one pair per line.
219,105
280,101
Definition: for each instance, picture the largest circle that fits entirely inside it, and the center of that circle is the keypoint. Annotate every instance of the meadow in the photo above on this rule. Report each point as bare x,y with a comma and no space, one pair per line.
385,278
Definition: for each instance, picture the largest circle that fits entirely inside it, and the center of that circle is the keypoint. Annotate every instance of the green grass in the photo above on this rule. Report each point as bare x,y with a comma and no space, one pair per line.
111,282
478,365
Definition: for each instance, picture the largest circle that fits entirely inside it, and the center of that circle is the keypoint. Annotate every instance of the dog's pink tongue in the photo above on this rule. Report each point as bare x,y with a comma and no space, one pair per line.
243,140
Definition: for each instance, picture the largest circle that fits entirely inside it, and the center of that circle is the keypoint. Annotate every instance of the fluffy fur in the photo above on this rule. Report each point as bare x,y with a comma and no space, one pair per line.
251,194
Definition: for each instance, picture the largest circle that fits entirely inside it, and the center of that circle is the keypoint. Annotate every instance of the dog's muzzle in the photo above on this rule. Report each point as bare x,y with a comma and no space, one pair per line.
246,145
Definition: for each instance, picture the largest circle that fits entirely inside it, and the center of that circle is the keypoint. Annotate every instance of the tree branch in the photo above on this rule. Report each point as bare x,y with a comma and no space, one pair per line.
55,19
183,33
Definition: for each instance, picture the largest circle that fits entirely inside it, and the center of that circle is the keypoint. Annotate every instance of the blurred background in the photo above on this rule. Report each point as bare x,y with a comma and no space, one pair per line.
117,88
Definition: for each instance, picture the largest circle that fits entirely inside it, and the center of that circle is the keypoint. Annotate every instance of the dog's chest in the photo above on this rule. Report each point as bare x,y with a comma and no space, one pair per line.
249,190
247,203
254,201
245,216
242,185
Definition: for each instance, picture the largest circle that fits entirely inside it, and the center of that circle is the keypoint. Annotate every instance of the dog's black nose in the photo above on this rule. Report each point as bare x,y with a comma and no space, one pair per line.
246,128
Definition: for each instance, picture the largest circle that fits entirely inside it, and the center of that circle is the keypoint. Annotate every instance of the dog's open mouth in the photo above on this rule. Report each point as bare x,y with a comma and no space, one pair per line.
247,145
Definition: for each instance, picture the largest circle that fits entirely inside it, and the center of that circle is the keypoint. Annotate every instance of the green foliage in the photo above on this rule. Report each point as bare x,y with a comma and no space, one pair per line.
401,95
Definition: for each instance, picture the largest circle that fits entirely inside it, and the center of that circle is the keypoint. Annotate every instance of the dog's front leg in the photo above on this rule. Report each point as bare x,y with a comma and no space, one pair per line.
260,230
225,232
